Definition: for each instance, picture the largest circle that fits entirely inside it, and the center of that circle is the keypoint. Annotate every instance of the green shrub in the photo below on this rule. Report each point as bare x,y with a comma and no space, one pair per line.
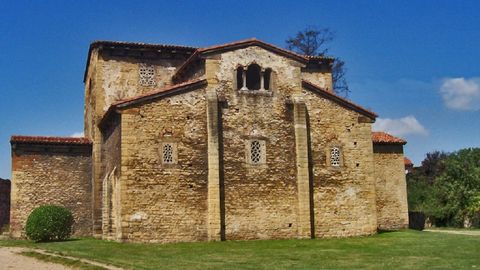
48,223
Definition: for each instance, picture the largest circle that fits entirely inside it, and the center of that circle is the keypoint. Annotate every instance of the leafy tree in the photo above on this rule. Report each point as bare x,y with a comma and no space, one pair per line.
447,187
433,165
315,41
456,192
418,190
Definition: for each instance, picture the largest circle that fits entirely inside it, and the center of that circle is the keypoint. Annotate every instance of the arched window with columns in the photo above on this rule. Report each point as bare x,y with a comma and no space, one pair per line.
253,77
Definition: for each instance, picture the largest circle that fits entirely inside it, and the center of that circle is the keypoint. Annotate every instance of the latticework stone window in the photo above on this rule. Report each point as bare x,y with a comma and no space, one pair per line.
335,157
256,152
146,75
168,153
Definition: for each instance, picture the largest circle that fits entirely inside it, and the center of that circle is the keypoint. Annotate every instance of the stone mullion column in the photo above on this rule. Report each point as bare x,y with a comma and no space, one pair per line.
244,80
262,80
303,177
214,206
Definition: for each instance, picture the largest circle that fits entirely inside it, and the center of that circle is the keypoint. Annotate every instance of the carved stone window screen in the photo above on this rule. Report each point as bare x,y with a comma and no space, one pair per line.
168,153
255,152
146,75
335,157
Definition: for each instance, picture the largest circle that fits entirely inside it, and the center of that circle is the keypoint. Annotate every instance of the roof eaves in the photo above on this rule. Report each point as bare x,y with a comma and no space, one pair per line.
320,58
340,100
238,45
160,93
380,137
164,92
253,42
50,140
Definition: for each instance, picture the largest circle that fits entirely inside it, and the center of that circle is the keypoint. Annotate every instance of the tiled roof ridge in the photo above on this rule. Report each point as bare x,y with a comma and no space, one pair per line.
99,43
340,99
381,137
407,161
161,90
246,42
249,41
50,140
149,95
319,57
139,44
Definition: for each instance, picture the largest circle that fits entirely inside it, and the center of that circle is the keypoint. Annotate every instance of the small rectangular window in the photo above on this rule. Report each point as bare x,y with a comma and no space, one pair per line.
335,157
256,152
169,153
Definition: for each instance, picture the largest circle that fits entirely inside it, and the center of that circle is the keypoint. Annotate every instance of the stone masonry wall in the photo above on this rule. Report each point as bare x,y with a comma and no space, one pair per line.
165,202
114,75
260,200
4,202
343,197
320,78
390,185
51,174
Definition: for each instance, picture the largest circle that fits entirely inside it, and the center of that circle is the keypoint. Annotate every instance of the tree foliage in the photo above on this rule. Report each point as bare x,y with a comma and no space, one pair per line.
447,187
315,41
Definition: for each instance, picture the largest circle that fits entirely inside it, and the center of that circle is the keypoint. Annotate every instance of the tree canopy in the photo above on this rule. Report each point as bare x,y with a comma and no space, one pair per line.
315,41
447,188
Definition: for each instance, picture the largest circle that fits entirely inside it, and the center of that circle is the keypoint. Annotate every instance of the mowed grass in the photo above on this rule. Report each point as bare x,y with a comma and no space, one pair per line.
391,250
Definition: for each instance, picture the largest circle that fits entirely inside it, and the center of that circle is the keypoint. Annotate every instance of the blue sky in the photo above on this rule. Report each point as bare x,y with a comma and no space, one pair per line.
415,63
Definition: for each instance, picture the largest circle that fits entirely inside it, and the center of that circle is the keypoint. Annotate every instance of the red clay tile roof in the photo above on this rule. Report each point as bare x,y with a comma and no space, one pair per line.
132,45
159,93
251,42
385,138
407,161
97,43
338,99
319,57
243,44
196,51
50,140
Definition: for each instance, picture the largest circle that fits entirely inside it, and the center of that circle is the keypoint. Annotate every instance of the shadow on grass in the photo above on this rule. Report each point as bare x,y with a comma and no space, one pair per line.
57,241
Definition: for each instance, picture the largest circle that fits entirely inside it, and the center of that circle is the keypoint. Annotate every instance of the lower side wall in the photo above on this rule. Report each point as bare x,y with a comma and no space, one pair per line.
390,186
51,174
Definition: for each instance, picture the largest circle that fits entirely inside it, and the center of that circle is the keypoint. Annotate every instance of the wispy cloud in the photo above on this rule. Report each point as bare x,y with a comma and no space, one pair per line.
77,134
408,125
461,94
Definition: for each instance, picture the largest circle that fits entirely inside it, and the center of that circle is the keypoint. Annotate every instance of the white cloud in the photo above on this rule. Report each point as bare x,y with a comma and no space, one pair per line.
77,134
461,94
408,125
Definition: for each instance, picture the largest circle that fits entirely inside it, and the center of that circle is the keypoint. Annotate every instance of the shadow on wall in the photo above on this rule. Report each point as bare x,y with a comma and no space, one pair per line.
4,203
416,220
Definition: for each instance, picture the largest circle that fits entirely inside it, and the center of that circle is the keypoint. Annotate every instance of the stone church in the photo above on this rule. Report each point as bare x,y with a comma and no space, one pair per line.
243,140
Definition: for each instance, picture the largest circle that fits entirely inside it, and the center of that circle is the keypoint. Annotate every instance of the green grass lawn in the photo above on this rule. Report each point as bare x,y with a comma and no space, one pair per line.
392,250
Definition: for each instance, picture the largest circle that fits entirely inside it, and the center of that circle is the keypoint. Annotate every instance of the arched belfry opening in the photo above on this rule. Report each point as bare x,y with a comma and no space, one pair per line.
240,82
253,77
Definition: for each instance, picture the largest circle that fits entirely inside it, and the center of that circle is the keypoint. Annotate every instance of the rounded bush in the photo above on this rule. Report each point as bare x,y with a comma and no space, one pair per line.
49,223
